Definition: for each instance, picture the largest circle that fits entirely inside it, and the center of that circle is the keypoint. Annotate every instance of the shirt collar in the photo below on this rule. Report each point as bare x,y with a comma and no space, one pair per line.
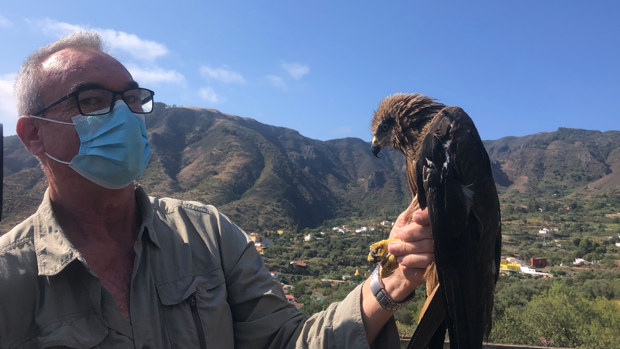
147,212
54,251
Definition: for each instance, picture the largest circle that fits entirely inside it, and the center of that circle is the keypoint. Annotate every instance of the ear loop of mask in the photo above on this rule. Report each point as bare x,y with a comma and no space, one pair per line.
58,122
53,158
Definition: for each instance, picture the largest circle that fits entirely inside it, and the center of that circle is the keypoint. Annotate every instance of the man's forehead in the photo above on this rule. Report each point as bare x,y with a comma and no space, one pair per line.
76,58
71,66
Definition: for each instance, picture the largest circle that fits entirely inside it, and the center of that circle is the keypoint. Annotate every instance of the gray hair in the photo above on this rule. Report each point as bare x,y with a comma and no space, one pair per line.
29,82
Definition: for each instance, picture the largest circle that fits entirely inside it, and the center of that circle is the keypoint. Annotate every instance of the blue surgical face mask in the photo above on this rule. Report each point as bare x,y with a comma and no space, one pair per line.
114,147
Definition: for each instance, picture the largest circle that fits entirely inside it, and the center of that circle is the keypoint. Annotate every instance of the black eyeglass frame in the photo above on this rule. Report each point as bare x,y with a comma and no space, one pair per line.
113,100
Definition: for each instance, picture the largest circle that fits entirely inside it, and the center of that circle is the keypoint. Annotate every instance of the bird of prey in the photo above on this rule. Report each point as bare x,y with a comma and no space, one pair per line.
449,172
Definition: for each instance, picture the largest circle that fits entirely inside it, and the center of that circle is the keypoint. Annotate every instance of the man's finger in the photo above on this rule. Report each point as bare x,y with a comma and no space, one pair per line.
399,248
414,232
418,260
421,217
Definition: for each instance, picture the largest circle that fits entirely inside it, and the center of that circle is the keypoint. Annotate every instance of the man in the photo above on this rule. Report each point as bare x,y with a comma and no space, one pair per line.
101,264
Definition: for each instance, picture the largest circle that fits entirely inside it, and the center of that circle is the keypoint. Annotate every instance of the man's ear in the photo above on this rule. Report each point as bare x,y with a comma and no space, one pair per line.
28,131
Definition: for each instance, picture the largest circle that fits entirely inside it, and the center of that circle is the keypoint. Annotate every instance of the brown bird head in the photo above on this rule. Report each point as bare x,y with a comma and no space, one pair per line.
400,122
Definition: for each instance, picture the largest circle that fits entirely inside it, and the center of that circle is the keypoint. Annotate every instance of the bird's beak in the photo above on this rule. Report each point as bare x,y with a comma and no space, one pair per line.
375,147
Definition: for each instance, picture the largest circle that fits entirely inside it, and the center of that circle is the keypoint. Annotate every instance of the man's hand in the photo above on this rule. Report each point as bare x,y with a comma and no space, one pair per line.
414,253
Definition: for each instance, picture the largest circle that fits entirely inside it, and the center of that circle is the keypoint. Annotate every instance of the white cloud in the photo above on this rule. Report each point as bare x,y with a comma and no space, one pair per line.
222,74
296,70
209,95
155,75
132,44
342,131
5,22
277,81
117,40
54,28
8,111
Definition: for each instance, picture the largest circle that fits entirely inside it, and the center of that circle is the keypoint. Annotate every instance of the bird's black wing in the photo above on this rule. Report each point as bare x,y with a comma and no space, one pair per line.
454,176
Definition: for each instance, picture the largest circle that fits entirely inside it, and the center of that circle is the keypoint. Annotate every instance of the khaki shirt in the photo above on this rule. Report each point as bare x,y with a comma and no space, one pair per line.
197,282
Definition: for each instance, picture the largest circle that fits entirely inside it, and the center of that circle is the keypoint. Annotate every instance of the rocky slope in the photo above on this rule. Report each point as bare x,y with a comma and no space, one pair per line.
266,177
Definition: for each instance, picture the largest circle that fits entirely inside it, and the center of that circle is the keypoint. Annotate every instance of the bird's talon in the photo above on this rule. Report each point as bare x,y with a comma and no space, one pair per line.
379,254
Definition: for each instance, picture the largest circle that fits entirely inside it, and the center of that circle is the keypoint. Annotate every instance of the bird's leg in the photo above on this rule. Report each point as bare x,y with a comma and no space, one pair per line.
388,265
379,254
379,251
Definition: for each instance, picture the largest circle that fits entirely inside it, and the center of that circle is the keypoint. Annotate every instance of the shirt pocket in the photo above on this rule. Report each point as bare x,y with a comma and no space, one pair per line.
80,331
196,311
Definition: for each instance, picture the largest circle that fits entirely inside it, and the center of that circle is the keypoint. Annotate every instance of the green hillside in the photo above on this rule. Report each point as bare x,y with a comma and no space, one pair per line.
266,177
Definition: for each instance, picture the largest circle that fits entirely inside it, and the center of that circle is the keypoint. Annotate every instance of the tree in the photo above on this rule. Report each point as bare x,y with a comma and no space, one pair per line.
592,256
560,315
532,205
585,247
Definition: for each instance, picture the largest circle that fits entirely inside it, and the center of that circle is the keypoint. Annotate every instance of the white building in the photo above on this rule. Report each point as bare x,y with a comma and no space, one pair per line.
579,261
514,260
527,270
308,237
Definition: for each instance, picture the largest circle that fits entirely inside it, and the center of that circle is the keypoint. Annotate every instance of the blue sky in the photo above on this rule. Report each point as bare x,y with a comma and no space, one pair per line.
321,67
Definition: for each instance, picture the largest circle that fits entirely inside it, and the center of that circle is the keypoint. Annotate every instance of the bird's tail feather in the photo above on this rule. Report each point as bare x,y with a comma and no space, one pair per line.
456,313
430,323
438,339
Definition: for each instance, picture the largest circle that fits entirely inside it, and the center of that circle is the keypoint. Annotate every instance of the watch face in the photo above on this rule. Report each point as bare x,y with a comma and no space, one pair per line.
375,285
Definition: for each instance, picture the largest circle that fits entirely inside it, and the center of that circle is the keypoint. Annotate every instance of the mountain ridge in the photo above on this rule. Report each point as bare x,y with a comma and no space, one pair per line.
268,177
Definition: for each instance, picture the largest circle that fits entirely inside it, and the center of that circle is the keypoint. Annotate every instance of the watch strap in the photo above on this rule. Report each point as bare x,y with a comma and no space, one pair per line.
384,300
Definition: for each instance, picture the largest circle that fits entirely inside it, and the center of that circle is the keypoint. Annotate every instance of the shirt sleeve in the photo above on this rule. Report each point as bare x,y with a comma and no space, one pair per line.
263,318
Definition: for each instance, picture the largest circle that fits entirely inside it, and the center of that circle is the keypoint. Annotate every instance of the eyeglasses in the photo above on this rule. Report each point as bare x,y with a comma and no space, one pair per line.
99,101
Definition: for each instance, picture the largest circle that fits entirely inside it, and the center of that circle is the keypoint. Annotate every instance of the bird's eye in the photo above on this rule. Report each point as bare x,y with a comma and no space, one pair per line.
384,127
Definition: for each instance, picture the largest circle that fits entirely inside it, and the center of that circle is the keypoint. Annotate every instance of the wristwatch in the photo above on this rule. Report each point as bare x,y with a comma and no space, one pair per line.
377,289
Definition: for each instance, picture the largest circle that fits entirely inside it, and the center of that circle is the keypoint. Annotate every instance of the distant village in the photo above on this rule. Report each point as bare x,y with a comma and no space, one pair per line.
508,265
512,265
261,243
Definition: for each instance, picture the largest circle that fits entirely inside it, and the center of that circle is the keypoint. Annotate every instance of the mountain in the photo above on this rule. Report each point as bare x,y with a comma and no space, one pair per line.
261,176
557,162
266,177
